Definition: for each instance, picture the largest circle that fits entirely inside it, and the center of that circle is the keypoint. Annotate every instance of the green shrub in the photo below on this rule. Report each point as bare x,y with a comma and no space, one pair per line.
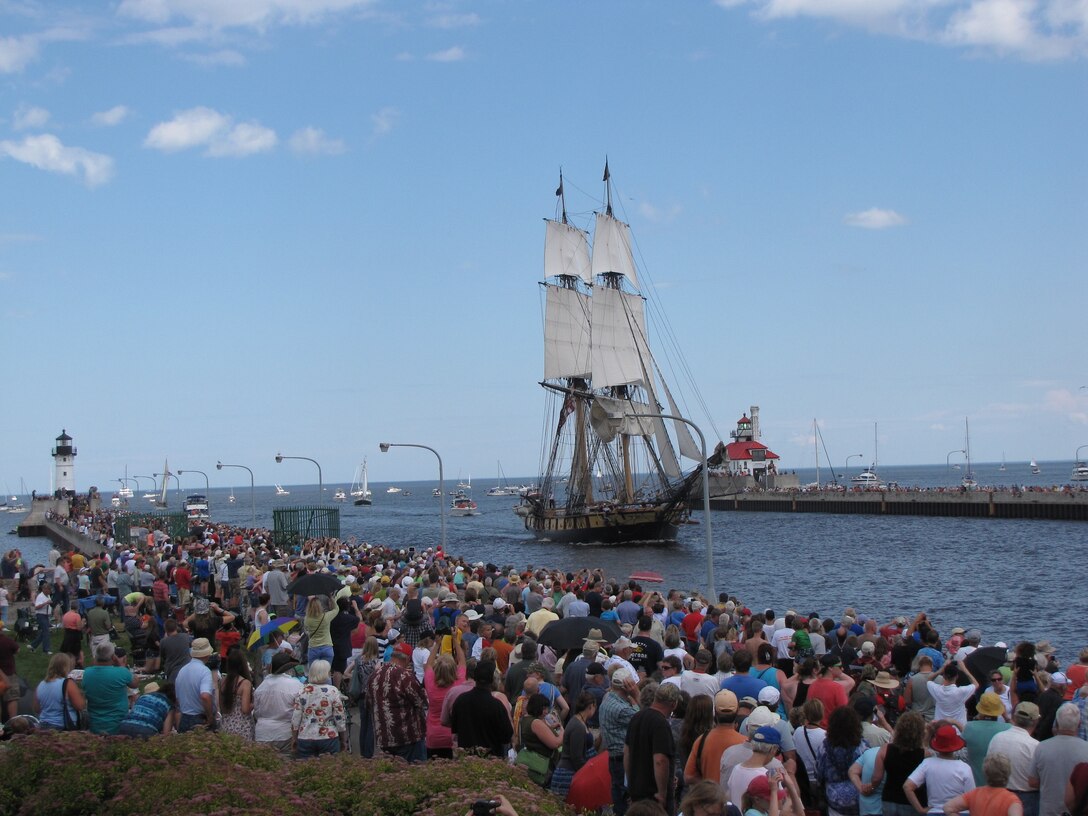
71,774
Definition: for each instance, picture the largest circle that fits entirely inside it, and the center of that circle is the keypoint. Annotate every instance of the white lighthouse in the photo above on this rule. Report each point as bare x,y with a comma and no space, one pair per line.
64,463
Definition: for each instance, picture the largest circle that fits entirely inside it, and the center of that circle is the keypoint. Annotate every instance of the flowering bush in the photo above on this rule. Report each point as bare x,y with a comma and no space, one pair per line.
64,774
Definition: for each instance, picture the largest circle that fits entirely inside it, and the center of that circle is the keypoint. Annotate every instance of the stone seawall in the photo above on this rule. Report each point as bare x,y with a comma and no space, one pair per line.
1062,506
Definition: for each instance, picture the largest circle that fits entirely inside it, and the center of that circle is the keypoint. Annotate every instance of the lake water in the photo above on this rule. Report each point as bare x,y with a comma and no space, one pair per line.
1014,579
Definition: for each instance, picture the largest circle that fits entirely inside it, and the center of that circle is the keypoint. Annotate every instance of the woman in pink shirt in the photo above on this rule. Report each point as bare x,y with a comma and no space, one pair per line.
440,675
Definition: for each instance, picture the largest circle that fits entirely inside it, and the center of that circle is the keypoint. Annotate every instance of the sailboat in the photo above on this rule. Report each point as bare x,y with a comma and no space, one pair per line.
281,492
502,488
166,474
360,492
1035,469
601,381
968,481
868,476
1002,468
230,498
125,492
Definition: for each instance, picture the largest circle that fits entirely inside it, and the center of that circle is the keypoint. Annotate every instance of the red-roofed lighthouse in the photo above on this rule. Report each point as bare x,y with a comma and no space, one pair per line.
746,455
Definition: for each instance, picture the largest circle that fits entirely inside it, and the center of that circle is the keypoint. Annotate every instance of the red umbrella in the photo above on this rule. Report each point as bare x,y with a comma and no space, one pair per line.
591,787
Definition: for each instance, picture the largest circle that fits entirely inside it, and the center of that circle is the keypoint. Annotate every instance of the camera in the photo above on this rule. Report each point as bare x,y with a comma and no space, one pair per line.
484,807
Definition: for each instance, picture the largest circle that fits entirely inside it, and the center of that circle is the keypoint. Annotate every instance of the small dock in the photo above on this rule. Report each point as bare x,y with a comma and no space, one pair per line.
1065,505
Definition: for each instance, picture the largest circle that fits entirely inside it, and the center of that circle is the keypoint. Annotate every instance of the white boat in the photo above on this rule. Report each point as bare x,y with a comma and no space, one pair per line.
437,493
360,487
125,492
116,500
868,477
393,490
340,495
1080,472
166,474
281,492
464,506
502,488
968,481
196,508
1035,469
230,498
465,485
1002,468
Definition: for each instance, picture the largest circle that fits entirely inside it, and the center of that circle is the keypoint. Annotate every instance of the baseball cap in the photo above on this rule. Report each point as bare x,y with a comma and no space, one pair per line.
760,787
769,695
725,702
621,676
767,735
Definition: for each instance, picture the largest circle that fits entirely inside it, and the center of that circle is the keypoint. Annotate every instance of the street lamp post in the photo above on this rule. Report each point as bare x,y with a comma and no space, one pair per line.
948,463
154,483
385,446
848,458
320,490
252,499
207,485
711,594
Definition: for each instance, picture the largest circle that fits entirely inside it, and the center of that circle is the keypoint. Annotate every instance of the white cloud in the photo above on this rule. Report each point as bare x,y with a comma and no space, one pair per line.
1031,29
244,139
190,128
215,131
214,59
219,14
453,54
46,152
383,121
652,213
1005,25
16,53
875,218
454,21
404,56
28,117
1069,404
313,142
111,117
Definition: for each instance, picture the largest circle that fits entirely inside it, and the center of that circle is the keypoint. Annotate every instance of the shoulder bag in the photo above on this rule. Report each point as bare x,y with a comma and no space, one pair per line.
73,721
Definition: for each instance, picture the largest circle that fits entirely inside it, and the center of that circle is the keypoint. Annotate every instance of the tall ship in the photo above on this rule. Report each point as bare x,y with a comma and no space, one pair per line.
603,385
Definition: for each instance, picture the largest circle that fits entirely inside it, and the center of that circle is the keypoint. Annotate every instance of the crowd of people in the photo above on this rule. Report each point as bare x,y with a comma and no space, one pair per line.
679,702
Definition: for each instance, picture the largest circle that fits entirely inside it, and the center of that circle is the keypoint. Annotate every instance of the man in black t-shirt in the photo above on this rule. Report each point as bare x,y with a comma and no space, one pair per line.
649,754
647,653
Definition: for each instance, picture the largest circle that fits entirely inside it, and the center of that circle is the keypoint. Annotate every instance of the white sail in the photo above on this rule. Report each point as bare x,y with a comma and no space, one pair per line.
612,249
566,333
612,417
688,447
165,482
566,252
620,354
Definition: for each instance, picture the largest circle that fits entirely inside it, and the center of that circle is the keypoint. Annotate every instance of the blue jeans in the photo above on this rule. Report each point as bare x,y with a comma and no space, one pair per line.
412,752
366,733
307,749
619,789
1030,801
190,721
319,653
898,809
44,638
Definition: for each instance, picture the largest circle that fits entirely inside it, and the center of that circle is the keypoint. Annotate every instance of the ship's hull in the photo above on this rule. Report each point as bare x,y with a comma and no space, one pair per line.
654,524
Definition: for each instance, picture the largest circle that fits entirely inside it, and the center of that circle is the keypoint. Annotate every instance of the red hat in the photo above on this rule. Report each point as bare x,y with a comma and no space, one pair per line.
947,740
760,787
404,649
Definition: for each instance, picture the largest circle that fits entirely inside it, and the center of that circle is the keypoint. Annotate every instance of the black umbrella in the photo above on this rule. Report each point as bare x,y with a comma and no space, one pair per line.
315,583
983,661
570,633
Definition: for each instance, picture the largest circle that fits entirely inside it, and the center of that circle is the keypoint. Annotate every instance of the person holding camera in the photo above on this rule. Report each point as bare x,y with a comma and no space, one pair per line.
499,806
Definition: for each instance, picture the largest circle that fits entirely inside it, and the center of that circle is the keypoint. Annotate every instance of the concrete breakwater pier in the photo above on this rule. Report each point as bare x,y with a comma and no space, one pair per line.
1057,505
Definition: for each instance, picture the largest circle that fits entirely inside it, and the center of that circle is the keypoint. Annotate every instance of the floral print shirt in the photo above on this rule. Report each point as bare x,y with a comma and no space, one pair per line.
318,712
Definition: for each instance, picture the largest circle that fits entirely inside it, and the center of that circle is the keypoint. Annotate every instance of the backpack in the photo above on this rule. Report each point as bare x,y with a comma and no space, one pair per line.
841,795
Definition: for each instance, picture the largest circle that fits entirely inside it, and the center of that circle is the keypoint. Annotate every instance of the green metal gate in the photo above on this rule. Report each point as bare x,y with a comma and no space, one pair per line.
174,525
293,525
